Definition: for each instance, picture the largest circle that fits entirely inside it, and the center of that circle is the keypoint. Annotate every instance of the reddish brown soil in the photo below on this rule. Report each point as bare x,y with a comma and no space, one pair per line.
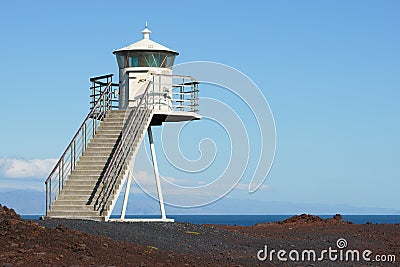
312,232
25,243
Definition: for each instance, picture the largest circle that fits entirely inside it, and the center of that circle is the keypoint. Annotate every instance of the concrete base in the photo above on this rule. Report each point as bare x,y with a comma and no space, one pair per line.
97,219
142,220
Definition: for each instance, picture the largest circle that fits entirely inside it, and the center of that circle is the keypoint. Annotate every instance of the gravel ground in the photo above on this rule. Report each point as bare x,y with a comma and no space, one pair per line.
238,246
218,245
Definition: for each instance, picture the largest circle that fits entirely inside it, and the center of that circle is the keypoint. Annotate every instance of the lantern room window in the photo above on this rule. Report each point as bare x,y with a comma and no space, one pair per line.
145,59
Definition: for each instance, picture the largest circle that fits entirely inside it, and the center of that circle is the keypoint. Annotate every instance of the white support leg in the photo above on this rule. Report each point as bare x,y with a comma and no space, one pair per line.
156,173
126,195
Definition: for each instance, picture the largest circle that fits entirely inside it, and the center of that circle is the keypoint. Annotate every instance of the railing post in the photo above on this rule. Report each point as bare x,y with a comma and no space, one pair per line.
196,98
47,197
146,99
152,93
104,104
59,179
93,131
84,137
74,150
182,96
192,103
50,193
93,92
62,173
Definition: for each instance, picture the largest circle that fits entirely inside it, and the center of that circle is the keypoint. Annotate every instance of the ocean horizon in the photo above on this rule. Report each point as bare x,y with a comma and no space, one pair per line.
249,220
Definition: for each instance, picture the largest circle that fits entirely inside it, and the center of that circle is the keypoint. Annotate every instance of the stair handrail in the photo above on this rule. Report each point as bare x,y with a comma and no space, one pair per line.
104,194
103,104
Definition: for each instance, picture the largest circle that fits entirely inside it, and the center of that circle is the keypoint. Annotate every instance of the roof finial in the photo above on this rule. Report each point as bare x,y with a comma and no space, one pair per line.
146,32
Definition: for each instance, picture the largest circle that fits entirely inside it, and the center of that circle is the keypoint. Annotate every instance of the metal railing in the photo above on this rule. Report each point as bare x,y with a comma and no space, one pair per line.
172,93
185,94
123,151
101,104
97,87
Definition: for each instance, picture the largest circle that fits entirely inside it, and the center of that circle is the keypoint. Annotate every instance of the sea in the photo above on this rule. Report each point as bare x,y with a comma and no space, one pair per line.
248,220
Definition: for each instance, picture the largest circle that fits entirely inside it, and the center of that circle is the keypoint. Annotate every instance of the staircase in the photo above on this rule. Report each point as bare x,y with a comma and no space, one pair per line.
85,183
87,180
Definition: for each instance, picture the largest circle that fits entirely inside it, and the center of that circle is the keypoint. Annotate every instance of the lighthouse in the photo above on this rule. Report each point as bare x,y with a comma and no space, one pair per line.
139,60
91,173
147,60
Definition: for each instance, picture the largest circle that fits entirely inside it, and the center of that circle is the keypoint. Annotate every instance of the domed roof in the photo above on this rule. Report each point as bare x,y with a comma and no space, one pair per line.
145,44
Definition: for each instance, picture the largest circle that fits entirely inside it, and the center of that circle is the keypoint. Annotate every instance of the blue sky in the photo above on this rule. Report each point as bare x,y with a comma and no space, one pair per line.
329,70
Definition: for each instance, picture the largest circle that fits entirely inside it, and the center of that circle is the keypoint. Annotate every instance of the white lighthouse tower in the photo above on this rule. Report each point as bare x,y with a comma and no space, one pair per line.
147,60
136,62
88,178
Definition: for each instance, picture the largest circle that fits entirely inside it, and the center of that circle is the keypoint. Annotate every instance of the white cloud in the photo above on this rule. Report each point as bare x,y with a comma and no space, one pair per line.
21,168
242,186
148,179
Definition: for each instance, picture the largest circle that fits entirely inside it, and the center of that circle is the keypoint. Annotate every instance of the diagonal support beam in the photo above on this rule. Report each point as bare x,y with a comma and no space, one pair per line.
126,195
156,174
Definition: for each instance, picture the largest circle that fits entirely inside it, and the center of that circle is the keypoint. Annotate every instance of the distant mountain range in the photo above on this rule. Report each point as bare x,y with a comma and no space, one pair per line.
29,202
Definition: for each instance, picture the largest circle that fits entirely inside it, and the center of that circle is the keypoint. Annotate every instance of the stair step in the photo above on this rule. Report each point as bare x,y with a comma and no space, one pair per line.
76,188
111,126
98,147
78,191
82,177
122,112
93,158
109,130
113,117
66,202
121,119
90,166
108,141
101,147
108,134
64,197
86,172
91,218
116,115
98,153
94,162
72,208
81,182
112,123
85,195
71,214
116,119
